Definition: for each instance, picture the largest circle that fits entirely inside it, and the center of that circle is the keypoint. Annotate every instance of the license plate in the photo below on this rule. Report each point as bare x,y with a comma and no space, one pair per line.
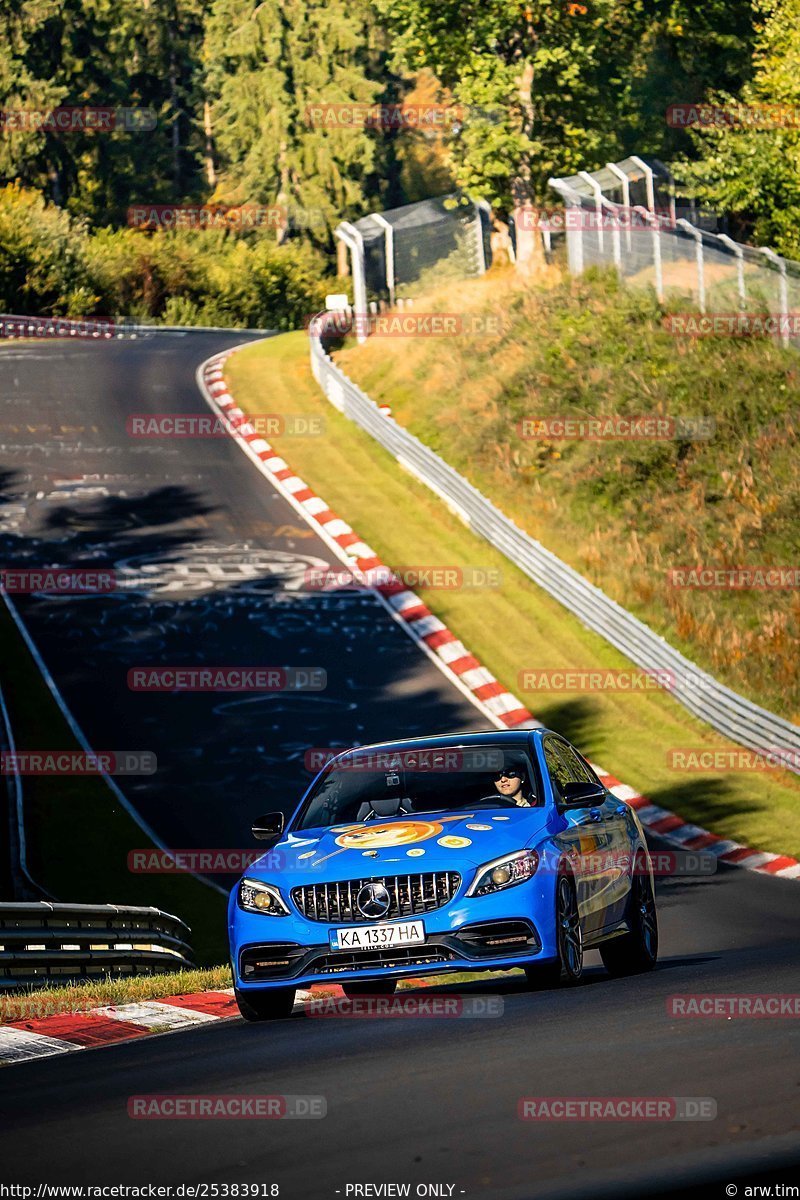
365,937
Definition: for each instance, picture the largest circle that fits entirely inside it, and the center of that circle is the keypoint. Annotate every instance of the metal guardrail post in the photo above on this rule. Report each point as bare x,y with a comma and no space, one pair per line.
701,277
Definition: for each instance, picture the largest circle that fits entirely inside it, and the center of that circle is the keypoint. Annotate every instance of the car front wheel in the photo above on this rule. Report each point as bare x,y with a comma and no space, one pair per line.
637,950
569,964
270,1005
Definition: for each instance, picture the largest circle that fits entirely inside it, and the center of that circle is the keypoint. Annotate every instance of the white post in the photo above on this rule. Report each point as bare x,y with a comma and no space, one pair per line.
653,221
574,236
598,203
650,180
738,250
354,241
481,206
388,243
780,263
626,198
698,250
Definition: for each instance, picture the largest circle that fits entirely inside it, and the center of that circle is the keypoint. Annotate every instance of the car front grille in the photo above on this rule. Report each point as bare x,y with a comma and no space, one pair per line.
410,896
376,960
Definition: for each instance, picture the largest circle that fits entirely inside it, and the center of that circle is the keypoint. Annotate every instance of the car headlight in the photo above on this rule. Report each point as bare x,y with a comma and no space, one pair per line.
264,898
504,873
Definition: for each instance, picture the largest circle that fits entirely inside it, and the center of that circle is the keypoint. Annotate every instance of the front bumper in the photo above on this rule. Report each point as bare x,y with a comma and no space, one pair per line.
509,929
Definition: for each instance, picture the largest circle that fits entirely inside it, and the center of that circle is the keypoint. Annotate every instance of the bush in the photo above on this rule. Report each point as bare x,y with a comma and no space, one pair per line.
50,265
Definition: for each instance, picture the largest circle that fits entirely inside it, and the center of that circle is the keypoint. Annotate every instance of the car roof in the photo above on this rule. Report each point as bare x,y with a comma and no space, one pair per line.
513,738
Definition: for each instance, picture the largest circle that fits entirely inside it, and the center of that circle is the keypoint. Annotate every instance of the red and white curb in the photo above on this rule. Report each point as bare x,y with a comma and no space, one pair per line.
502,708
43,1037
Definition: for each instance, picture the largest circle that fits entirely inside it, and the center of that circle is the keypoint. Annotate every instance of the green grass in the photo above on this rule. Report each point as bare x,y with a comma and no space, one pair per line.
623,513
80,997
513,626
78,834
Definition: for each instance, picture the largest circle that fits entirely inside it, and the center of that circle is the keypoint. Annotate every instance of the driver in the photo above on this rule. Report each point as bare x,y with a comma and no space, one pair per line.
512,782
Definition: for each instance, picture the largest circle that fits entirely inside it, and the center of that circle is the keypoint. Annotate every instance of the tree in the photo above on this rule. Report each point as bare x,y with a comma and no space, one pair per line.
752,170
269,65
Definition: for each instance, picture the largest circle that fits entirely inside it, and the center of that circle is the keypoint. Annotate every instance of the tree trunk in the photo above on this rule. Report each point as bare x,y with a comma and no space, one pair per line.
208,129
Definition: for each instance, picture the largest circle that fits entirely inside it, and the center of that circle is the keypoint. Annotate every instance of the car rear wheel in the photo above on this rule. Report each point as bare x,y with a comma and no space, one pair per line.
636,950
270,1005
568,967
377,987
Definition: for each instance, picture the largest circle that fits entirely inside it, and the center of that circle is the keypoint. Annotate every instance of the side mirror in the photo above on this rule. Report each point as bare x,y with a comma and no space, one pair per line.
269,827
578,795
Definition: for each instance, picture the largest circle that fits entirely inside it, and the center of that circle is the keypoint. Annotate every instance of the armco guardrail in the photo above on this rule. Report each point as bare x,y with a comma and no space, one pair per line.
43,942
731,714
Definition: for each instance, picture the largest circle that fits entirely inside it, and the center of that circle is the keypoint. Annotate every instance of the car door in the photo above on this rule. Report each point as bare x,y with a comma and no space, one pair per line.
584,838
613,883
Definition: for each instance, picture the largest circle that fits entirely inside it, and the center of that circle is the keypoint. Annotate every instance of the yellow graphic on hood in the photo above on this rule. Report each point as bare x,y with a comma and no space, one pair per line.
399,833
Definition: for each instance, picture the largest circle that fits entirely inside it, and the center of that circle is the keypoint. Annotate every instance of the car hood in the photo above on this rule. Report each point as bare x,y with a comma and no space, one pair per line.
431,842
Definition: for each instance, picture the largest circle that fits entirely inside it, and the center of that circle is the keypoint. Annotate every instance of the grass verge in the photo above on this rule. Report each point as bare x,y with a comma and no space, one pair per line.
514,625
81,997
723,493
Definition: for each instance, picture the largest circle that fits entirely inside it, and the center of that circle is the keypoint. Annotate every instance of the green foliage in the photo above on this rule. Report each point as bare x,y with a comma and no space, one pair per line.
755,172
51,264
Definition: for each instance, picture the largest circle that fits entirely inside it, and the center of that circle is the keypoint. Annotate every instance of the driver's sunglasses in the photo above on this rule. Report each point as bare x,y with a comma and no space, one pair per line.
507,775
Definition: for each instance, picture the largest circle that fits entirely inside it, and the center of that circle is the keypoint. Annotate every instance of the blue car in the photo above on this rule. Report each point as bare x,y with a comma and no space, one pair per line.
471,852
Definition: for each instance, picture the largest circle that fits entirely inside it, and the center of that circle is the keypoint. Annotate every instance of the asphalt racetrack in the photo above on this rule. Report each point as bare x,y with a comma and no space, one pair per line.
417,1102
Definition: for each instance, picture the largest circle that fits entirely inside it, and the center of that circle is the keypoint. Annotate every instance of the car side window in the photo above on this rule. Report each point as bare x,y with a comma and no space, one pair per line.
574,764
556,767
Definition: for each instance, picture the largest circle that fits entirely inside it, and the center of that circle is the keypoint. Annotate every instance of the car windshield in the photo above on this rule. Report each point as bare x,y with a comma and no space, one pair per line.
367,785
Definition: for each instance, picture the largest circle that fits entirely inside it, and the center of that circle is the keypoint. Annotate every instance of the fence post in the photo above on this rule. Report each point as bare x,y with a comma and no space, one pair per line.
626,198
701,276
784,289
649,178
598,205
388,242
355,243
657,266
738,250
481,206
574,236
